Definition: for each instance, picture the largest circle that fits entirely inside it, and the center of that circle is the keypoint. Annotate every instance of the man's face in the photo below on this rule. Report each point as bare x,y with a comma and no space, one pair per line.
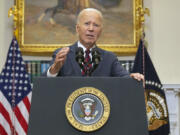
89,28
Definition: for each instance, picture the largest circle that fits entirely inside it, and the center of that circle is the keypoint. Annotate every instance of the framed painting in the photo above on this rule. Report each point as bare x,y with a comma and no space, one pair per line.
45,25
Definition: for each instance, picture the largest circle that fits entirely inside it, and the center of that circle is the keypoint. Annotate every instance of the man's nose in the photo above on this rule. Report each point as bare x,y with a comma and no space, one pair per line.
91,27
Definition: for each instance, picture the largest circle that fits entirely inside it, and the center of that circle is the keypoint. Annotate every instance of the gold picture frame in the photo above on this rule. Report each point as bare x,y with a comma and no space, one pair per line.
25,23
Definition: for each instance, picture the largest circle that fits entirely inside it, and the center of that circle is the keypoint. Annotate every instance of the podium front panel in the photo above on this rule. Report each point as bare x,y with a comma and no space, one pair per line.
126,97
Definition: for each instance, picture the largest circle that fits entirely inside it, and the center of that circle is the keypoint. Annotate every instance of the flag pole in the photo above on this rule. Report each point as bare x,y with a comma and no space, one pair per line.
143,11
13,12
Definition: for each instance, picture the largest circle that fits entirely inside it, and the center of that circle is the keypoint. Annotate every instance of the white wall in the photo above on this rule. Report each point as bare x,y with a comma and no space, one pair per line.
162,32
163,35
5,29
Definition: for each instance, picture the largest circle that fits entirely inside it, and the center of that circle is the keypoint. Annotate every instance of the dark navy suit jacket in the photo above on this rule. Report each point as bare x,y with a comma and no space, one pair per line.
108,66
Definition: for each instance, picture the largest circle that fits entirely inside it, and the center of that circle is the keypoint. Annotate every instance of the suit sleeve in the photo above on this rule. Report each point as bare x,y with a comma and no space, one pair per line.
52,61
117,70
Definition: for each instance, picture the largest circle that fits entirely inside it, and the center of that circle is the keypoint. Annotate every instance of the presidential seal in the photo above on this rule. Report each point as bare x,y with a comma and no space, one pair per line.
156,107
87,109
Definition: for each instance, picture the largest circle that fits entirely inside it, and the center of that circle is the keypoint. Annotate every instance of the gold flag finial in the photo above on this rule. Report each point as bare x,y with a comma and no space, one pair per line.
141,12
14,12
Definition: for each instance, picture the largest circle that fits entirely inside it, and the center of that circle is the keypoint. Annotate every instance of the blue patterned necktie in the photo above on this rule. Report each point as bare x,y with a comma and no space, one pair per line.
87,65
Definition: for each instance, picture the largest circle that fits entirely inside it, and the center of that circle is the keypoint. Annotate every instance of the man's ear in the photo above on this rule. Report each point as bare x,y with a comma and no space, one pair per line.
77,28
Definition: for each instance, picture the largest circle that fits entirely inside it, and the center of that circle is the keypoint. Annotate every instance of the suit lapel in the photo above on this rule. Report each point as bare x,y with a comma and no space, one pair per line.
73,61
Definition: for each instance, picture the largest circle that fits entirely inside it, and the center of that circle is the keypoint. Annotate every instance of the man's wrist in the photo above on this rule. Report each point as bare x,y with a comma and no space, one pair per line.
49,74
54,69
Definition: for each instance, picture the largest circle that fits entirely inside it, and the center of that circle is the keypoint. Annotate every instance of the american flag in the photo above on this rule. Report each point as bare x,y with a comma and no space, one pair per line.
15,94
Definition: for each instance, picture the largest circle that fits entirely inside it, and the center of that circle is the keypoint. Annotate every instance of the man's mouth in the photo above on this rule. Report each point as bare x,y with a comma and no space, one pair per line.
90,35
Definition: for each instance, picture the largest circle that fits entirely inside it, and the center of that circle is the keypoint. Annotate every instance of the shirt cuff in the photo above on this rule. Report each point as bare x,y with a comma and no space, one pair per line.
51,75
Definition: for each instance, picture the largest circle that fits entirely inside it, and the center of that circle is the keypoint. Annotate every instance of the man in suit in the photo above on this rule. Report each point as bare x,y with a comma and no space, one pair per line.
89,27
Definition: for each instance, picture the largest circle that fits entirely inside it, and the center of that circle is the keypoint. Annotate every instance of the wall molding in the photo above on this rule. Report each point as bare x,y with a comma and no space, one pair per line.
172,92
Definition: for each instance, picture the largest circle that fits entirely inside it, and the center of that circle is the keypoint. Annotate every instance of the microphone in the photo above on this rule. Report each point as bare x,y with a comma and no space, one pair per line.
80,56
96,57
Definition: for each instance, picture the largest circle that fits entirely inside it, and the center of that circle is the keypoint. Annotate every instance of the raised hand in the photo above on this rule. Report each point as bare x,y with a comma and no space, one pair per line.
59,60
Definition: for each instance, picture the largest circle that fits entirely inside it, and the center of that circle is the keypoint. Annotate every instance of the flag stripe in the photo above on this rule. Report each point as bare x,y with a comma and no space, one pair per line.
30,96
5,110
24,111
21,119
2,131
5,129
18,127
5,114
27,103
5,103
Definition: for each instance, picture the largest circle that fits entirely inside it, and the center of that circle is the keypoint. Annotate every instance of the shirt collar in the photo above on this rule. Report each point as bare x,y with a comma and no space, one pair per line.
84,48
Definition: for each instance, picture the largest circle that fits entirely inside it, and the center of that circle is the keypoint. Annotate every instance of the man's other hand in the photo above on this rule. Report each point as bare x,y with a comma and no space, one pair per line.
137,76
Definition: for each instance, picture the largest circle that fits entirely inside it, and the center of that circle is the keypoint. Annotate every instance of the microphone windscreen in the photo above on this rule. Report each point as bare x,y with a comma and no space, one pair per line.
96,56
95,51
79,51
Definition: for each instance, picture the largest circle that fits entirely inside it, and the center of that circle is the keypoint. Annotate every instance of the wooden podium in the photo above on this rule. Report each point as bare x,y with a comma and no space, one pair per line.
126,97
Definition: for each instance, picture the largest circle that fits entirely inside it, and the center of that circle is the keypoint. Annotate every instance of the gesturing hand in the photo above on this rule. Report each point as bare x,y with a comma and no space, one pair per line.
59,60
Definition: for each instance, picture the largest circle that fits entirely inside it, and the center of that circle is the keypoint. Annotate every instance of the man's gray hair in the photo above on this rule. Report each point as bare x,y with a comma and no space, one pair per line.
89,9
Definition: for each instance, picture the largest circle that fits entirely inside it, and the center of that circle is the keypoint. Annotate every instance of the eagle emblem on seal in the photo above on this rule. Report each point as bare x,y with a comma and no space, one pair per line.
87,111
